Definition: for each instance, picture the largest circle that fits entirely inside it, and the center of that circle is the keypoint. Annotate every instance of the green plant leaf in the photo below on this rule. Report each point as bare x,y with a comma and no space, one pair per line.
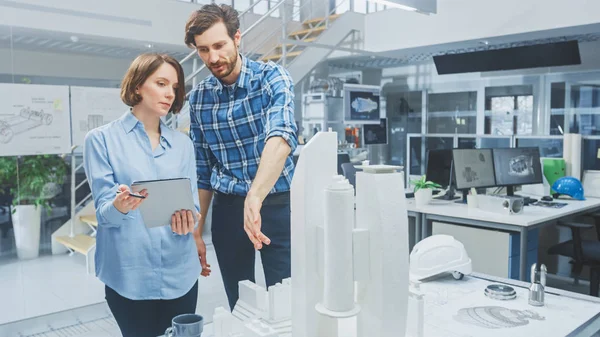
25,177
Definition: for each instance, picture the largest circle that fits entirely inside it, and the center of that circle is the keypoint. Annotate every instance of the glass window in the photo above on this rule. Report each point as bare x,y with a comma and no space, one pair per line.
467,143
484,142
453,112
580,112
557,108
509,110
360,6
8,185
261,8
297,4
549,148
418,151
590,154
342,6
55,192
403,110
494,143
273,3
585,101
416,146
241,5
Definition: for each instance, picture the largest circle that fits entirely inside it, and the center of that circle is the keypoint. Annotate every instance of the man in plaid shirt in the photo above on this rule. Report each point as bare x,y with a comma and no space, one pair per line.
243,128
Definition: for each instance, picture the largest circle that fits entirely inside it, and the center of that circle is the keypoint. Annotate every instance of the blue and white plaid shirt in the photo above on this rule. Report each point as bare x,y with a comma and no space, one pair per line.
230,125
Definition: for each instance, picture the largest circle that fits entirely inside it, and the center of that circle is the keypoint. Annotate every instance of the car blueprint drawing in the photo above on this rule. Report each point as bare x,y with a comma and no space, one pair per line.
26,120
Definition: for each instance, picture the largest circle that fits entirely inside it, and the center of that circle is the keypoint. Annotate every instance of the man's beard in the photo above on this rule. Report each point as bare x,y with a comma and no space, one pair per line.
228,69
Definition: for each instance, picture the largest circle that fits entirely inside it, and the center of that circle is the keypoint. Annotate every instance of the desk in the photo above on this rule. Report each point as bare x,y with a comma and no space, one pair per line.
564,313
531,218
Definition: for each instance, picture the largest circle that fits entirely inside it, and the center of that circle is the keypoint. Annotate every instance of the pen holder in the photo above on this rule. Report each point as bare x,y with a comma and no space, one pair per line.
472,201
423,196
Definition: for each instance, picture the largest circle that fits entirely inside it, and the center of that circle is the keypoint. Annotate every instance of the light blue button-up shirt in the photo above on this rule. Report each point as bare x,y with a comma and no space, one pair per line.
139,263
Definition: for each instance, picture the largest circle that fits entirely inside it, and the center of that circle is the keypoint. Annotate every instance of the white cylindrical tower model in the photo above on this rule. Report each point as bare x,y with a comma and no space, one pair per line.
338,287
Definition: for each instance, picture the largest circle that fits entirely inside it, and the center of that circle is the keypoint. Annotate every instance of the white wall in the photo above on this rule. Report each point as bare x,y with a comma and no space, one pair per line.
425,74
147,21
159,21
35,63
463,20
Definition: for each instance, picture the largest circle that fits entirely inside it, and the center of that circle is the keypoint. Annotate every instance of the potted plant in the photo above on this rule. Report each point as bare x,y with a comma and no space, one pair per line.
423,190
31,181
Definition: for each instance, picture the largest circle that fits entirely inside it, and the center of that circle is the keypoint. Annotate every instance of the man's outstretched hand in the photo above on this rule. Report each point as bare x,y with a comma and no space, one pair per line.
252,221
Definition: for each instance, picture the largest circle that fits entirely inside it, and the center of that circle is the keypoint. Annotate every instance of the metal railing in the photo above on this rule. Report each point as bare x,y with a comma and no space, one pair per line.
282,41
323,22
280,29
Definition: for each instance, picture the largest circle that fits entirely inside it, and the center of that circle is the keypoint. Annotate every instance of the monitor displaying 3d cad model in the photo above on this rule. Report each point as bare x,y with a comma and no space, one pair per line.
473,168
361,104
517,166
374,134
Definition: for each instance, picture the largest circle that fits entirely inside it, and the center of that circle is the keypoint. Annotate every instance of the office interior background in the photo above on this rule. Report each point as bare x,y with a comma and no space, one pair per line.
73,54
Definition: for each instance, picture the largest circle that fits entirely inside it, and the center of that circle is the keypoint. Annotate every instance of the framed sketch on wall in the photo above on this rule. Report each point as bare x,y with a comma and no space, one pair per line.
34,119
94,107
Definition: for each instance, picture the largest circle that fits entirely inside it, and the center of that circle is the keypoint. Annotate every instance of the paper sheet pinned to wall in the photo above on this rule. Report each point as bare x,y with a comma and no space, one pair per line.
567,149
576,142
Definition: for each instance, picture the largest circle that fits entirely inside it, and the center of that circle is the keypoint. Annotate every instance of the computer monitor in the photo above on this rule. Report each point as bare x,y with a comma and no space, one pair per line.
375,134
439,170
473,168
517,166
361,104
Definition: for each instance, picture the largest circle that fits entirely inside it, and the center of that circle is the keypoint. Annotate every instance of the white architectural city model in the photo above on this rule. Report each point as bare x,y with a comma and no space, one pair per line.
334,248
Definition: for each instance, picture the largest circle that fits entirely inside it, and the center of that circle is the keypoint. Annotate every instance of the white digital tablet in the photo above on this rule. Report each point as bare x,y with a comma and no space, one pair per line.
165,197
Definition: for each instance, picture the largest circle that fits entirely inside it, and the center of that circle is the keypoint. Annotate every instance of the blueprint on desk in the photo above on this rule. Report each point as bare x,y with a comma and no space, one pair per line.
460,309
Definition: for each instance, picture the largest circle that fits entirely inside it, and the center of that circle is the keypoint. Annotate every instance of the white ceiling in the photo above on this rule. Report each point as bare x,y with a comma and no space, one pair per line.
422,55
60,42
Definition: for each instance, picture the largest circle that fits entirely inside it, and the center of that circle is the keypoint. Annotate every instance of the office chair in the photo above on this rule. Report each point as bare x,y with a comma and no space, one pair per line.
583,252
342,158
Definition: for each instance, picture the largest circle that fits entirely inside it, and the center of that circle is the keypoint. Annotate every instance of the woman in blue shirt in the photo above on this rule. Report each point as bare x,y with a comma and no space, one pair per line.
150,274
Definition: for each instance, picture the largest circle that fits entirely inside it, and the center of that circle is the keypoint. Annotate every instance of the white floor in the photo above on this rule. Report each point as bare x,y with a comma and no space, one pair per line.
46,285
90,321
42,296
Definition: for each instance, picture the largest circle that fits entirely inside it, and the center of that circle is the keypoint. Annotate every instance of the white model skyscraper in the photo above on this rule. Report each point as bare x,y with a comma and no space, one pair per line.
375,254
334,248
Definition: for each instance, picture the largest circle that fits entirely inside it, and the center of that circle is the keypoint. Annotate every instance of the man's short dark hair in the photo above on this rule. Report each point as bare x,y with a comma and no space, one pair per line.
204,18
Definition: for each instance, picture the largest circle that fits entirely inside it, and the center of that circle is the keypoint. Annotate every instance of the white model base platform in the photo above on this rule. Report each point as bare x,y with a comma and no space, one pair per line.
459,308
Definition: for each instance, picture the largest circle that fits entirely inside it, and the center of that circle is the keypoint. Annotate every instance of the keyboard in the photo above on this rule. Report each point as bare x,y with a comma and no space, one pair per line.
550,204
527,200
